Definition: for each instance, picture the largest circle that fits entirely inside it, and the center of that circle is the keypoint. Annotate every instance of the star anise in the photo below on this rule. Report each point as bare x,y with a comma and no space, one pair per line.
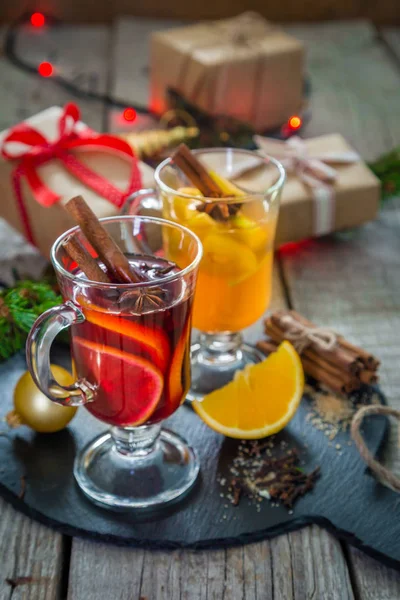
142,299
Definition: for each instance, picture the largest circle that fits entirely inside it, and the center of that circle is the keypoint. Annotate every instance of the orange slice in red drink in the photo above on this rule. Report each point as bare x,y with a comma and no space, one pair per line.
151,342
179,372
129,387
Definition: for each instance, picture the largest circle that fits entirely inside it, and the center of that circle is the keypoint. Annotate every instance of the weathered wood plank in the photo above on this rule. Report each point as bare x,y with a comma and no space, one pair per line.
258,571
99,571
316,565
355,84
130,67
78,54
371,580
130,56
232,574
351,284
304,564
28,549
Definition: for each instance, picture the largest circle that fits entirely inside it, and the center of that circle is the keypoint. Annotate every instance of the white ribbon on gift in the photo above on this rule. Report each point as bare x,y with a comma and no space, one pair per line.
313,170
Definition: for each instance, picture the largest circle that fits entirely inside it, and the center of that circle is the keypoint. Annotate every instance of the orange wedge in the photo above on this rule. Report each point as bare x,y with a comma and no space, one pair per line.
260,401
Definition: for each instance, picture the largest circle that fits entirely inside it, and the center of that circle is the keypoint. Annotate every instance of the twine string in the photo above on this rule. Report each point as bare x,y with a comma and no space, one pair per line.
384,475
302,336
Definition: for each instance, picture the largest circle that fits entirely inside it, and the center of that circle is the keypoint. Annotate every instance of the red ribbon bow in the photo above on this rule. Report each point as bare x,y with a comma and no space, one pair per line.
40,150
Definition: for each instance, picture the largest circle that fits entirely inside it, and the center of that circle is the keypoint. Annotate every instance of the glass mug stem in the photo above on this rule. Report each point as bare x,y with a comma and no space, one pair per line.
136,442
38,346
216,357
221,347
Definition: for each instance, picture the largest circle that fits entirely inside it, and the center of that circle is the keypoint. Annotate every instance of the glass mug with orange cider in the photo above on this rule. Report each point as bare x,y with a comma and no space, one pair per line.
237,231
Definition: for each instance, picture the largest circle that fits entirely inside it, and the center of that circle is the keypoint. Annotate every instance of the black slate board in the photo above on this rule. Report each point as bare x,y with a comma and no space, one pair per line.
347,500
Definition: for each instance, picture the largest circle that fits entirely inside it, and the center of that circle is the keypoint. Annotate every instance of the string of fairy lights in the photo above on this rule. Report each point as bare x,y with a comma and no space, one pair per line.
46,69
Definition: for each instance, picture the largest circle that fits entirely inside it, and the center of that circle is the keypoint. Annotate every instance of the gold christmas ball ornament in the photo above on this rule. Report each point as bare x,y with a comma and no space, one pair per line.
34,409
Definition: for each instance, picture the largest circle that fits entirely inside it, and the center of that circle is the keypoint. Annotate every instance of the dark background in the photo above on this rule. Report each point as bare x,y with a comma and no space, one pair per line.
100,11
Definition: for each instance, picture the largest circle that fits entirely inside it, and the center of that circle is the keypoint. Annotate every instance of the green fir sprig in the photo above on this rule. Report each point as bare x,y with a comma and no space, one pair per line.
20,305
387,169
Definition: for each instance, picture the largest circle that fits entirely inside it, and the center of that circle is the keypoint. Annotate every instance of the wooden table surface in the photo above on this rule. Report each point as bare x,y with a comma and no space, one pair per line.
350,283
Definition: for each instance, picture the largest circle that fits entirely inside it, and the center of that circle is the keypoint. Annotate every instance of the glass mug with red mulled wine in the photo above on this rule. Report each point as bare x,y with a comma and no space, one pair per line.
131,352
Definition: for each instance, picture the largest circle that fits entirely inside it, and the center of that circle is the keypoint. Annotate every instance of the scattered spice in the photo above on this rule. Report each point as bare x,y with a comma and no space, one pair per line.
333,413
259,475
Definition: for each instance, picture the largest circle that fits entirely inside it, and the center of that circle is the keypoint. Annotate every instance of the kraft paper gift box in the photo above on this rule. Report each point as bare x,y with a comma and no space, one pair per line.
243,67
47,223
328,186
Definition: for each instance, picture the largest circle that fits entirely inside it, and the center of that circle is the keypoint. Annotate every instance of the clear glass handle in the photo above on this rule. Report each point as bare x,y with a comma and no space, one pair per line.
145,201
38,345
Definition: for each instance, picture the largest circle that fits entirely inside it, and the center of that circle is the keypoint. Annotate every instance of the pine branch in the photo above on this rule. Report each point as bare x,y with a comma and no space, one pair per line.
19,308
387,169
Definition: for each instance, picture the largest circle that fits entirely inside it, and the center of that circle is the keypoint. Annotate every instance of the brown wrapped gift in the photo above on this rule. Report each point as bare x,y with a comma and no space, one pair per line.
47,223
328,187
243,67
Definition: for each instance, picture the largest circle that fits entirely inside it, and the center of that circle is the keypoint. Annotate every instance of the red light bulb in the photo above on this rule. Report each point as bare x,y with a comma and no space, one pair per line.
37,19
295,122
129,114
45,69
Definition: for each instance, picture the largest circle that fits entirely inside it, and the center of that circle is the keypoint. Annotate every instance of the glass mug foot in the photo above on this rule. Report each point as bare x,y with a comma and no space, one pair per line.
119,471
215,359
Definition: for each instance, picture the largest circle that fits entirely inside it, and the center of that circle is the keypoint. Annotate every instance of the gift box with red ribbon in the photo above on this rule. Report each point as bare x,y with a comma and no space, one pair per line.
52,157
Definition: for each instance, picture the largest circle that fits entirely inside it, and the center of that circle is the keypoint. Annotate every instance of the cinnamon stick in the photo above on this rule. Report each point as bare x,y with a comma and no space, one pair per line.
335,382
116,262
329,367
266,347
369,377
196,172
366,358
77,251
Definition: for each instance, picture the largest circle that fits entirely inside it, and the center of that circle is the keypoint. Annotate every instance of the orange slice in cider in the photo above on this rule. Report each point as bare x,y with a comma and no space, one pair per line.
153,341
129,387
179,372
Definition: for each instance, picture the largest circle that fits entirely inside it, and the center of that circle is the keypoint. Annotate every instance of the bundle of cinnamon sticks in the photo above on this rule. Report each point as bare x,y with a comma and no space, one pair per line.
117,267
343,368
